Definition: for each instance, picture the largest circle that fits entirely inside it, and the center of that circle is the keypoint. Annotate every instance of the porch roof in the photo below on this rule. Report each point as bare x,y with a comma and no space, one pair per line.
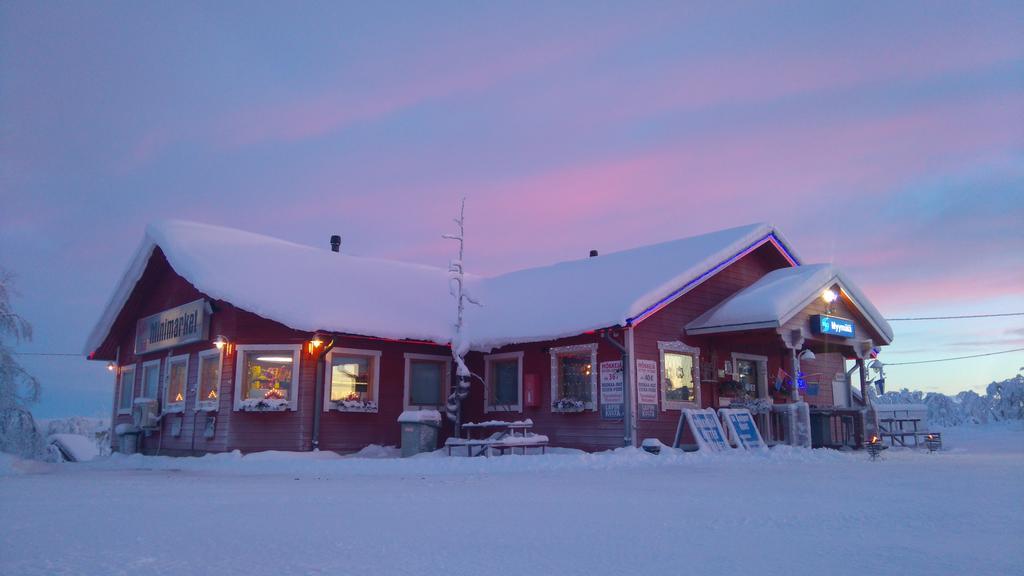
781,294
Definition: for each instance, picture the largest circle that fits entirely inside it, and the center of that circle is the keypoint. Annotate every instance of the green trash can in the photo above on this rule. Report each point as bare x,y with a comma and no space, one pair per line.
419,431
127,438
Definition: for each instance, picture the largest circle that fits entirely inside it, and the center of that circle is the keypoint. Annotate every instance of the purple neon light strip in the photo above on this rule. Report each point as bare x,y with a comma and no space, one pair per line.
714,269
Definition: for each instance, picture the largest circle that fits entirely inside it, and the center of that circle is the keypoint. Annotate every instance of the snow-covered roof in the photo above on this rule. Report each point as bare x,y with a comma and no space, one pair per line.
312,289
612,289
778,296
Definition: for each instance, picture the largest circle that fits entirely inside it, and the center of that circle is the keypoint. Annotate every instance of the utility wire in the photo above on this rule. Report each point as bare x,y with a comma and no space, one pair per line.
887,364
955,317
47,354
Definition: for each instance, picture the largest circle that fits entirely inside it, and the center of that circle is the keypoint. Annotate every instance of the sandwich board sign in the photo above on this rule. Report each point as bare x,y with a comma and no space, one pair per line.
741,427
706,429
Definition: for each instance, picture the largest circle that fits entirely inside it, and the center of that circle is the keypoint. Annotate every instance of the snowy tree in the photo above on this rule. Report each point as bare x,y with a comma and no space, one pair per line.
460,343
18,389
1006,398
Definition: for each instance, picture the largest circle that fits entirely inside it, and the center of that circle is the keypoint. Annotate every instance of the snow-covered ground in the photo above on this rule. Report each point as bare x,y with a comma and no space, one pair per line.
626,512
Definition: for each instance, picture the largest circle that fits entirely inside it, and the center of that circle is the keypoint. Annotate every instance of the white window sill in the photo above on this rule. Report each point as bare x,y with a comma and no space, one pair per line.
208,406
669,405
174,408
124,411
502,408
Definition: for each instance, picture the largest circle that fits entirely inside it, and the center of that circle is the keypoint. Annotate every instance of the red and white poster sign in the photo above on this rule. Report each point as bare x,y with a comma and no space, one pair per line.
646,382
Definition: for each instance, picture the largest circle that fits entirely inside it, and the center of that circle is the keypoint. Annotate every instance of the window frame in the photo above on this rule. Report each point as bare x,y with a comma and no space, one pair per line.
446,382
677,347
506,356
120,389
202,405
573,350
142,385
374,356
762,376
168,405
293,390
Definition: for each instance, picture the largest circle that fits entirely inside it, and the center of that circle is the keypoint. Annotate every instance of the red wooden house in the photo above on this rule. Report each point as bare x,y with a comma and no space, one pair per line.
247,342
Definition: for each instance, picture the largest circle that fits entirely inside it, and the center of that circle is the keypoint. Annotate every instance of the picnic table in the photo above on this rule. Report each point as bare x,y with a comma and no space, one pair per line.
503,437
898,429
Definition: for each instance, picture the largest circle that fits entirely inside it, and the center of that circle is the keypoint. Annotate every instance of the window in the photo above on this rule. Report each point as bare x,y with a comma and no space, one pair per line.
151,379
177,378
208,394
126,392
352,380
426,380
574,378
751,373
680,375
267,377
503,374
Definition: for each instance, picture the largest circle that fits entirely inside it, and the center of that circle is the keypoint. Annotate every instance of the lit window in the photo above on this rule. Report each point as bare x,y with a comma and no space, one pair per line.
151,379
426,380
177,377
680,375
266,377
352,380
208,397
504,378
574,378
126,391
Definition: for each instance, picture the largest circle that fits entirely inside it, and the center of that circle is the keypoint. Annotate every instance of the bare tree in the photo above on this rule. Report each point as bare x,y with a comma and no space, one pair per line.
460,343
18,388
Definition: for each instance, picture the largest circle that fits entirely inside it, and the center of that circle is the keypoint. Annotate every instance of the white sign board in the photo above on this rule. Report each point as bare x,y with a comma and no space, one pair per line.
173,327
612,390
706,429
611,382
646,382
741,427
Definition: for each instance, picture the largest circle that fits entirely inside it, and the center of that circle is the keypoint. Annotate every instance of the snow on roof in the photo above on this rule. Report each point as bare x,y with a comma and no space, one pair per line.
778,296
300,286
312,289
573,297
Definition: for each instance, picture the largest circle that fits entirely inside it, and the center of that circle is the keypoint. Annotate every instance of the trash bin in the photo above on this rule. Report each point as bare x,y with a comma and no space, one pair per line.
419,431
127,438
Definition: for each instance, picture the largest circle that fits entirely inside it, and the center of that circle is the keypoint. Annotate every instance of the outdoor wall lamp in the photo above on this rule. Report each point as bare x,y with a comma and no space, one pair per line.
220,342
806,354
111,366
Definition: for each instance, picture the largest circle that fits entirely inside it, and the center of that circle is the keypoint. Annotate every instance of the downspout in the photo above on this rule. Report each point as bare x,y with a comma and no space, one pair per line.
627,436
318,394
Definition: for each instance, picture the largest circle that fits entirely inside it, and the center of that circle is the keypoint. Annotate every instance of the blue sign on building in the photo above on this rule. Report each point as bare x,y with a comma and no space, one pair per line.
822,324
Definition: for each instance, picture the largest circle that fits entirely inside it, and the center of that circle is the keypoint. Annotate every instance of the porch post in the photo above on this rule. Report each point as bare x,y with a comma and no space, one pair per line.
794,362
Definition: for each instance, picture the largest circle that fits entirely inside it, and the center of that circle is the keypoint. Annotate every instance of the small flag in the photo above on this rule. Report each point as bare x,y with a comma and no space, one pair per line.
875,352
780,377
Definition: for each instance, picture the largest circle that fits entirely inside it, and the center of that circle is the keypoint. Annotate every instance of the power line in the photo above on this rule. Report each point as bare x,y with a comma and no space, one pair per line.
955,317
47,354
887,364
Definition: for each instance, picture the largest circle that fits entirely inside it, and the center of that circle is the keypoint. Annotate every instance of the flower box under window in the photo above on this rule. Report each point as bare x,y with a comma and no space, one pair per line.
354,405
265,405
568,405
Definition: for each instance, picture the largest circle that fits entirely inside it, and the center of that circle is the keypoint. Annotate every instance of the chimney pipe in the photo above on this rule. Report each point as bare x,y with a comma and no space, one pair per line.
593,253
335,243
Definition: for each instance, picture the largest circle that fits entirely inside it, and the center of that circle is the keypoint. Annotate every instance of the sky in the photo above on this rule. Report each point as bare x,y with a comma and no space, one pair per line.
887,138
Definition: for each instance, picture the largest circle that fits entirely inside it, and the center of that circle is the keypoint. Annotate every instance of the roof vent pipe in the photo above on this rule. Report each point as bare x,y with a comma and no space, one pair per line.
593,253
335,243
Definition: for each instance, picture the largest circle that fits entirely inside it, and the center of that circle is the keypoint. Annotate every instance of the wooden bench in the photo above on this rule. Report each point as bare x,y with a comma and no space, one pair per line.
507,436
